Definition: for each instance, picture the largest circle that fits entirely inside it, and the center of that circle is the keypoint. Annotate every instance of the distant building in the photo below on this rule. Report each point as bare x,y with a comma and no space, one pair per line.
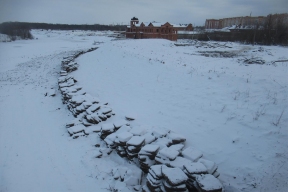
145,30
234,21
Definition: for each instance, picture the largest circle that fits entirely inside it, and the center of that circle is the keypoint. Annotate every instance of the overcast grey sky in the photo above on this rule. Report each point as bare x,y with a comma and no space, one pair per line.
121,11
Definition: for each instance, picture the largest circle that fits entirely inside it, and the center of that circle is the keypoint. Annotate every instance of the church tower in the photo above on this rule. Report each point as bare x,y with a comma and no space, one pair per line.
134,21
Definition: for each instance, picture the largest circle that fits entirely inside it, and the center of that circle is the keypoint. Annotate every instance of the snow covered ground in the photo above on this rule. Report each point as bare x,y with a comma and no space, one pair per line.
235,113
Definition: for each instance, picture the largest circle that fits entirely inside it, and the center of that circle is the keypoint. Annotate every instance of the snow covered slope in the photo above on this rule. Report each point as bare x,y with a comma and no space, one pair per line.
36,152
226,108
235,113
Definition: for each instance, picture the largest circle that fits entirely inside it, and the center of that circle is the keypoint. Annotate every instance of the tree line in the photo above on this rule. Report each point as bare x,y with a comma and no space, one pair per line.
22,29
273,31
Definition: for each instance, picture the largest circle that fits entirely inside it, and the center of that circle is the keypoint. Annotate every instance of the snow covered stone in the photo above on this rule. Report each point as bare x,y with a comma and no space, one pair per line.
180,162
105,151
192,154
106,110
123,128
106,130
64,79
174,176
149,138
154,178
192,171
210,165
68,83
75,136
165,155
171,188
145,188
80,108
216,174
134,145
101,116
109,140
145,163
98,117
72,94
77,128
208,183
78,99
160,132
94,107
86,104
119,123
153,184
162,142
91,99
97,154
156,171
149,150
136,141
86,123
175,179
73,122
121,151
95,128
138,131
70,131
88,131
146,156
63,73
130,117
177,147
176,138
77,87
66,90
108,127
123,137
51,92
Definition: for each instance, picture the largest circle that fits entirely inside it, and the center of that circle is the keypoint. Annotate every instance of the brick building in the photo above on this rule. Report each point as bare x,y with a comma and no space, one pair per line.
145,30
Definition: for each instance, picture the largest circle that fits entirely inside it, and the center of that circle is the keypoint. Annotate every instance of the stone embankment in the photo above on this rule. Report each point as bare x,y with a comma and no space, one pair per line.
167,164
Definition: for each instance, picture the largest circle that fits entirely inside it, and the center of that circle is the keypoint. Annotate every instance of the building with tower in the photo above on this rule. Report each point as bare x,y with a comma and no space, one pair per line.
149,30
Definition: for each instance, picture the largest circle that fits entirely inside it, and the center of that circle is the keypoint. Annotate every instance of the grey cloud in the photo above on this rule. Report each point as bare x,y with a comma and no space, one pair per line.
115,11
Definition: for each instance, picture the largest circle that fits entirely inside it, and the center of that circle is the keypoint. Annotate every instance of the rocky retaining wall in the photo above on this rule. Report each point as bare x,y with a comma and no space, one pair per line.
167,164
